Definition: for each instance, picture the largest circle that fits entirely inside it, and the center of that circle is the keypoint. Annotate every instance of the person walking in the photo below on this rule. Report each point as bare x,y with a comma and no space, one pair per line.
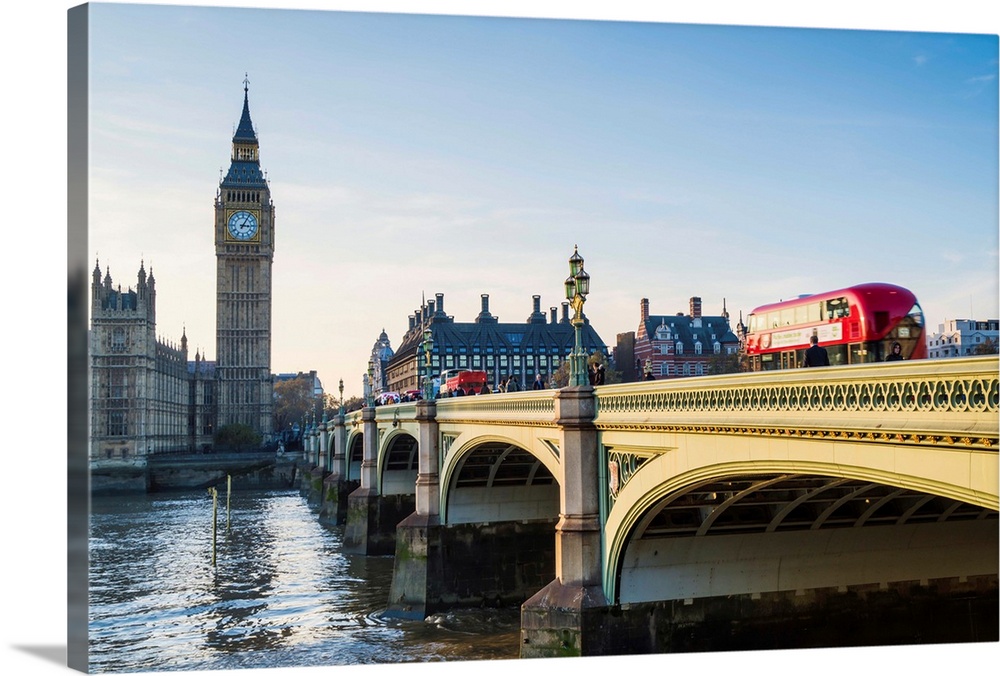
539,384
816,355
513,385
896,353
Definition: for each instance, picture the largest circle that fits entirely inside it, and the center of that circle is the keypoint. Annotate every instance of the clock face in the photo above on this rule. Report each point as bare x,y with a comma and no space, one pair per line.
243,225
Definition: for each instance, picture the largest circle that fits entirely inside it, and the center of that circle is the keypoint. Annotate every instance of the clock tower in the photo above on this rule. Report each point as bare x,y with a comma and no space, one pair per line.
244,250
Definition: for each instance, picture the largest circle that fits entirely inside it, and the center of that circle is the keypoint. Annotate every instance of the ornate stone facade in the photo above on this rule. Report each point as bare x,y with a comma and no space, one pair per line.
145,395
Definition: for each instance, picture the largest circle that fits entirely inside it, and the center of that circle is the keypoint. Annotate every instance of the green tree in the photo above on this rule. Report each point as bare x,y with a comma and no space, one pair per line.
331,405
294,400
724,363
560,378
237,437
986,347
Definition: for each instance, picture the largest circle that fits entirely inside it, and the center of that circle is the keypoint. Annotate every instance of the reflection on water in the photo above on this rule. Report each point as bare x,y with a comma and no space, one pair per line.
281,593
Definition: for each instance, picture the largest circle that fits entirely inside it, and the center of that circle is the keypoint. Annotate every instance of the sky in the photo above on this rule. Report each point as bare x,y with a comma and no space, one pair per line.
410,155
468,156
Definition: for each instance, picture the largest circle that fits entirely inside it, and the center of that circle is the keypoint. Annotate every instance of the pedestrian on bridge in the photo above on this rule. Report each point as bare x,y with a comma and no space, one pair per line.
896,353
816,355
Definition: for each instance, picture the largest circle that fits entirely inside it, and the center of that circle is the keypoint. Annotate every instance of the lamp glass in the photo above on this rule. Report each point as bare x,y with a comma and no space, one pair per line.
575,262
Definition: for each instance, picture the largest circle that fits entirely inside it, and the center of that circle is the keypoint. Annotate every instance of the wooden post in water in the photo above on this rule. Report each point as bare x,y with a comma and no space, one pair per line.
229,491
215,519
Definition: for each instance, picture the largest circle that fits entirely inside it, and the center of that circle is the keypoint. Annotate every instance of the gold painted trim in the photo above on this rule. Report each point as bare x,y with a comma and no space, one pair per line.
887,436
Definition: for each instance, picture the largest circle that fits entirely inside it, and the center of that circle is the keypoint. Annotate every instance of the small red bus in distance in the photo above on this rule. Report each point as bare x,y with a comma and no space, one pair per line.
470,382
856,325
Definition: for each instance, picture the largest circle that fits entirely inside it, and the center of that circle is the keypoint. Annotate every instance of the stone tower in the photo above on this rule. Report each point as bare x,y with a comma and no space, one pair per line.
244,249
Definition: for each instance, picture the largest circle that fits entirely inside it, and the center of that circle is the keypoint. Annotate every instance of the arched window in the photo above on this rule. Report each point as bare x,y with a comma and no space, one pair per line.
680,347
118,339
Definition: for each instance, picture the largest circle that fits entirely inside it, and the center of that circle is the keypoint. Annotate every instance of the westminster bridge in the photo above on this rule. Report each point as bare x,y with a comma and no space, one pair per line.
841,506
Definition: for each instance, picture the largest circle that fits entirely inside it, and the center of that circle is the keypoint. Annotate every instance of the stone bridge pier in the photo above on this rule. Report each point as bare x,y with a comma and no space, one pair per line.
567,616
444,565
372,517
441,565
337,485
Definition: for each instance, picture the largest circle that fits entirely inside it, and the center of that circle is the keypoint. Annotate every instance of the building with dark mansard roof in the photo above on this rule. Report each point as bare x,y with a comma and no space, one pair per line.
503,349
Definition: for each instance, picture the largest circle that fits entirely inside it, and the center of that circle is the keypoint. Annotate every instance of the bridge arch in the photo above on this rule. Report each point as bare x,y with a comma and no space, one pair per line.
397,463
355,446
494,478
818,494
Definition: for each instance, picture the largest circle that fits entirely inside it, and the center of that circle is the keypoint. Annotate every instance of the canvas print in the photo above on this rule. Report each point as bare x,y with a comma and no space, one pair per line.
412,338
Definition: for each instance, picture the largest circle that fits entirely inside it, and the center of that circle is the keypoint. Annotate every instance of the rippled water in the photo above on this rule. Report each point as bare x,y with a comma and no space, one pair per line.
280,594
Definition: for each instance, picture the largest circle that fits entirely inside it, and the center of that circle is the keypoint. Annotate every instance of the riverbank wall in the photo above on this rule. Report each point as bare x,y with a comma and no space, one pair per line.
246,471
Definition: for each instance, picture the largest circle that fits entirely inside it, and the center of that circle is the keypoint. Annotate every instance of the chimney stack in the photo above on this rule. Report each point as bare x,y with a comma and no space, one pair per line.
565,312
553,317
484,314
440,303
644,310
695,310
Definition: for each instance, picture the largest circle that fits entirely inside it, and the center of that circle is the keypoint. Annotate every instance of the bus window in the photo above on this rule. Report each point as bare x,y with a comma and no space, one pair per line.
838,354
814,312
837,308
864,353
802,314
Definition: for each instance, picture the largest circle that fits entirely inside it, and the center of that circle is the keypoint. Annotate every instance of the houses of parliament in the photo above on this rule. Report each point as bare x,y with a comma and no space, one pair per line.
147,395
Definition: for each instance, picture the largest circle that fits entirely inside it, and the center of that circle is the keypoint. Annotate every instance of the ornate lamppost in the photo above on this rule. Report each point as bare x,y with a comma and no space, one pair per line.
577,288
370,385
427,346
341,388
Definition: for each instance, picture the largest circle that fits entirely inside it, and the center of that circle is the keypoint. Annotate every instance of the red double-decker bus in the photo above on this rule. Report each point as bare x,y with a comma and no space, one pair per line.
469,382
856,325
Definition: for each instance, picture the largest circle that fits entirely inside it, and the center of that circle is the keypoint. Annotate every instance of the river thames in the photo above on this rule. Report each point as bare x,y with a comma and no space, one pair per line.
282,595
279,594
